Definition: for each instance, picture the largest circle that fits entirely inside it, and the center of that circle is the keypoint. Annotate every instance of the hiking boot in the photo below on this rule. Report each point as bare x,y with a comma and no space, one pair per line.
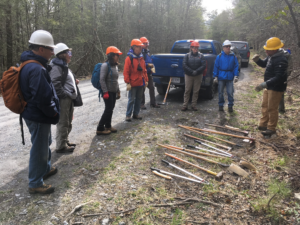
221,108
111,129
143,107
281,111
269,132
230,109
194,108
44,189
184,108
137,117
128,119
52,171
65,149
103,132
155,106
262,128
71,144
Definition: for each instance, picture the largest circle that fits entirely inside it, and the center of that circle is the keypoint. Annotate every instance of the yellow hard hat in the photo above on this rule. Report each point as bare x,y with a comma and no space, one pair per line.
273,43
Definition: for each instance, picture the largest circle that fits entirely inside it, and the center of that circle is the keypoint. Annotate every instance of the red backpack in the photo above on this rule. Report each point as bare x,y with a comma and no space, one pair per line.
11,90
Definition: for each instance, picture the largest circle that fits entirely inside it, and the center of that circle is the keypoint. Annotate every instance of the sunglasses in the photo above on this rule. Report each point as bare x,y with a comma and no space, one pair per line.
227,46
69,53
195,47
51,49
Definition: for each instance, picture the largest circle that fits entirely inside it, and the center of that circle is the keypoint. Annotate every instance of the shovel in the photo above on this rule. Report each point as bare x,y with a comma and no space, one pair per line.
165,99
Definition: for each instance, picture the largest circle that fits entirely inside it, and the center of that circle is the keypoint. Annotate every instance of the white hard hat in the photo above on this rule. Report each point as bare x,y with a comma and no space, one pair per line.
60,47
42,37
227,42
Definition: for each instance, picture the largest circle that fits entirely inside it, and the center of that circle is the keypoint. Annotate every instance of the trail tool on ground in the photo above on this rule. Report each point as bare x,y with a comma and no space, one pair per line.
209,146
195,152
185,171
238,170
247,164
228,142
217,144
217,153
161,175
218,175
222,133
195,156
229,128
176,175
165,99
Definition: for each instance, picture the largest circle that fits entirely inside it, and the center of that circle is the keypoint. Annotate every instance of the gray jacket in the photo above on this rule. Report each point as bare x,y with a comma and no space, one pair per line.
63,83
109,81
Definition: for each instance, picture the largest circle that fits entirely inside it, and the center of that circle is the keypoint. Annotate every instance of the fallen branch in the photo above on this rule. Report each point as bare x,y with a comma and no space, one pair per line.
99,214
199,200
77,208
271,200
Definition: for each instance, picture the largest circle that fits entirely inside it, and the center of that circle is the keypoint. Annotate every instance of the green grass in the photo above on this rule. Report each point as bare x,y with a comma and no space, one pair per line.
177,217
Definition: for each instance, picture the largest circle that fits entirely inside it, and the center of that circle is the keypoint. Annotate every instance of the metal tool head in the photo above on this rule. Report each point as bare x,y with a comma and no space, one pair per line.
222,164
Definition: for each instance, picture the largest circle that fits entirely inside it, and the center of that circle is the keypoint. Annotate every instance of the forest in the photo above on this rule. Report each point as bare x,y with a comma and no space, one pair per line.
90,26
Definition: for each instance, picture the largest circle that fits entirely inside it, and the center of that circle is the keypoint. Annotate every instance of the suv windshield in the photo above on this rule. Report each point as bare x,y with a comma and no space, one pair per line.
240,46
184,47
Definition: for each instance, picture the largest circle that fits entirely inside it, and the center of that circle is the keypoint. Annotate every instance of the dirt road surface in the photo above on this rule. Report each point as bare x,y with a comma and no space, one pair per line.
14,156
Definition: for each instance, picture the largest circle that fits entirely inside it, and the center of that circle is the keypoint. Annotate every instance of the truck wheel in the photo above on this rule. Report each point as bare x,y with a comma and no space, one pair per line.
161,89
210,92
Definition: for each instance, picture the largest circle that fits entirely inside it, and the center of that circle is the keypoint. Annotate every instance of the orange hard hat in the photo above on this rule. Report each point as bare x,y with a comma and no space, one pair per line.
136,42
195,43
113,49
144,40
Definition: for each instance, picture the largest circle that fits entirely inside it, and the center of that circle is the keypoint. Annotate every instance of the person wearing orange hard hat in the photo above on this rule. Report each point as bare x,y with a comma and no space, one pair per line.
135,76
274,84
194,65
149,66
109,75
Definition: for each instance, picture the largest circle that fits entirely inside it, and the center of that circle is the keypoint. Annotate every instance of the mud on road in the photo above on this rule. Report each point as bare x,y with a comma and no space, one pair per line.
111,173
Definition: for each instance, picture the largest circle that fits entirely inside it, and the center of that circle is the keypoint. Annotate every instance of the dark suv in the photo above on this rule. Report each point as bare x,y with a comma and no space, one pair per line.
244,51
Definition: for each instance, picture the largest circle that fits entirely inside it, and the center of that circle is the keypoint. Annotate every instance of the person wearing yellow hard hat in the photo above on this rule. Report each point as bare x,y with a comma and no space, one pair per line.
109,75
274,84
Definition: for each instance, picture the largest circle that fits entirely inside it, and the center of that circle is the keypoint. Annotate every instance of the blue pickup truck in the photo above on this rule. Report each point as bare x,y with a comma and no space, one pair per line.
170,65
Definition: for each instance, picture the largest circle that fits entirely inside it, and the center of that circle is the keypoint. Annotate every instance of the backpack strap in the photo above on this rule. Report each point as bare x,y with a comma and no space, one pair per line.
29,61
131,59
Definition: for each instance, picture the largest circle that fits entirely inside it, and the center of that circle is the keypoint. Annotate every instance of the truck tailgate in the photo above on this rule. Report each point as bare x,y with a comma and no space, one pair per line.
168,65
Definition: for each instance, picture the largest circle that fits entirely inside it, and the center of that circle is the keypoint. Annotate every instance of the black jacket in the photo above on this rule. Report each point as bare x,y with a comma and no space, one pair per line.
193,62
276,71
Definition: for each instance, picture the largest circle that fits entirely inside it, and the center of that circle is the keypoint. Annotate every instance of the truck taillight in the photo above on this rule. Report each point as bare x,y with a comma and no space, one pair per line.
248,54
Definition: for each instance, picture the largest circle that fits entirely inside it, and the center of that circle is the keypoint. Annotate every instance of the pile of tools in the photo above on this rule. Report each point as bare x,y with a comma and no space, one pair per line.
207,149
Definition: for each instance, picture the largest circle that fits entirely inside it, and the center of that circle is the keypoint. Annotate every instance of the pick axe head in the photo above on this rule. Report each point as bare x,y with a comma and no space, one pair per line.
219,176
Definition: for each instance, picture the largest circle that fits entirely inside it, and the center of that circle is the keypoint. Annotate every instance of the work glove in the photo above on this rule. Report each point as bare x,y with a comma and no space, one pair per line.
118,95
261,86
194,73
128,87
215,80
236,79
255,58
146,84
150,65
106,95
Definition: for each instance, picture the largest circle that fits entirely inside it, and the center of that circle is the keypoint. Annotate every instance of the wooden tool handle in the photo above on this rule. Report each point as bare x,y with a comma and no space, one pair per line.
161,175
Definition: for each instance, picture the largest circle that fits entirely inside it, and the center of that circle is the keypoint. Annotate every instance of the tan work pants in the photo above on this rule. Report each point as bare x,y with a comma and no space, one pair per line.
192,83
269,109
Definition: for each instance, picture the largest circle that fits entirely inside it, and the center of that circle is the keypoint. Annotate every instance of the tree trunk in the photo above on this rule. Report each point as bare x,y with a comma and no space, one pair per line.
9,41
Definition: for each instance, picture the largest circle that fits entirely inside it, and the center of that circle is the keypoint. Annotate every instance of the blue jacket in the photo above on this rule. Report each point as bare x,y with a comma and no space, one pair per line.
147,58
38,91
226,66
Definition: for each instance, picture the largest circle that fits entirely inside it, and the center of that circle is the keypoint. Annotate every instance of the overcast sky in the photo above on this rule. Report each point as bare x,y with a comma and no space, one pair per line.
218,5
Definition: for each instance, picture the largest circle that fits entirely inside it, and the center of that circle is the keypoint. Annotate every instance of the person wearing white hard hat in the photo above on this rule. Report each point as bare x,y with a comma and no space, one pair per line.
42,109
65,85
226,72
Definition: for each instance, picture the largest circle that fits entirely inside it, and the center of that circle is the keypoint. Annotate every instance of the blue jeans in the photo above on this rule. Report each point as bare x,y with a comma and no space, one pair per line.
134,101
229,89
40,153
